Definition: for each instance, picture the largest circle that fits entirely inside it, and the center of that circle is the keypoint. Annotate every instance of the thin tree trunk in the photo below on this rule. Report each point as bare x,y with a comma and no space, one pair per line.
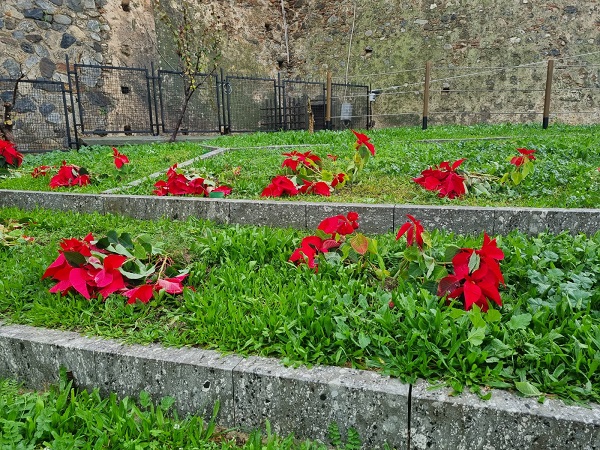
186,102
6,126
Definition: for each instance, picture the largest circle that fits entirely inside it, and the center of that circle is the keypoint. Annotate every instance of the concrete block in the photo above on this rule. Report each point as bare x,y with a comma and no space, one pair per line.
457,219
576,221
373,219
306,401
59,201
505,422
195,378
268,213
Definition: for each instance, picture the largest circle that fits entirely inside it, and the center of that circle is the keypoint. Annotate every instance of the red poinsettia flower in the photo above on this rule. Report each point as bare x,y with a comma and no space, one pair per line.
340,178
362,139
295,158
9,156
413,230
444,179
280,185
526,155
84,246
476,277
119,158
315,187
142,293
180,184
40,171
172,285
309,248
340,225
69,175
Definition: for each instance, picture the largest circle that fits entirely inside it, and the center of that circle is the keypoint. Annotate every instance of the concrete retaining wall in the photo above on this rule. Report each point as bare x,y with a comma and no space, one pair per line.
306,215
300,401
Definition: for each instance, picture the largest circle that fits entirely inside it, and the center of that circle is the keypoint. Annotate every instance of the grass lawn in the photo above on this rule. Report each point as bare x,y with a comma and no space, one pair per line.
565,173
248,299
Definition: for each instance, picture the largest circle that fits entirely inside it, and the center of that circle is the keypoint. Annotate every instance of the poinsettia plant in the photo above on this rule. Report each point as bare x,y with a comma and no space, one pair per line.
305,173
337,240
521,166
70,175
134,268
444,179
476,273
181,183
10,158
12,232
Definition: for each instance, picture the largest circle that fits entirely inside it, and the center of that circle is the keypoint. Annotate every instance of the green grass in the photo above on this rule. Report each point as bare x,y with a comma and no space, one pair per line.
565,174
250,300
62,417
145,159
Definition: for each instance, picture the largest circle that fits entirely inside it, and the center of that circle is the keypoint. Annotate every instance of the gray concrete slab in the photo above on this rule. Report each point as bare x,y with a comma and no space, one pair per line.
268,213
458,219
306,401
465,422
59,201
376,219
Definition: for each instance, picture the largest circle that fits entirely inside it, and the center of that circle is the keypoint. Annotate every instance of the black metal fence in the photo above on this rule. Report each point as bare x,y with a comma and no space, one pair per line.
102,100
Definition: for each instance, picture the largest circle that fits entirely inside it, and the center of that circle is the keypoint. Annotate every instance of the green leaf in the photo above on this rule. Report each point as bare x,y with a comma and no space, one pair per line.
476,336
429,264
363,340
474,262
214,194
493,315
327,176
450,252
527,389
76,259
126,241
412,253
516,177
519,322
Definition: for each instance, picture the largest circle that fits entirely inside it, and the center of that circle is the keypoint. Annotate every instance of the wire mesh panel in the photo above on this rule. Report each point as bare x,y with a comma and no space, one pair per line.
296,96
487,95
349,106
576,94
202,112
40,115
113,99
252,104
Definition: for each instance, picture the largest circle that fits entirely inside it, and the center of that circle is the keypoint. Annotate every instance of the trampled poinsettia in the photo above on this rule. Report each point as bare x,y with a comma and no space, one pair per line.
70,175
476,277
41,171
178,183
306,159
279,186
107,266
444,179
119,158
9,156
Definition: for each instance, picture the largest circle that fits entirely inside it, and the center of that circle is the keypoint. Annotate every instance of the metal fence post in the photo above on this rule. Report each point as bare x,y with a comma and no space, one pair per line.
426,94
328,102
548,93
72,106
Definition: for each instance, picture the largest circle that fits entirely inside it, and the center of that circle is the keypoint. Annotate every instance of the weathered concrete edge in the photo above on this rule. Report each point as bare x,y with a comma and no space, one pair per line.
306,215
301,401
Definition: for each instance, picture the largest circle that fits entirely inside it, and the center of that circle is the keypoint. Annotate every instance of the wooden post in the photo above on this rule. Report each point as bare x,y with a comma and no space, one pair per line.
426,94
548,93
328,102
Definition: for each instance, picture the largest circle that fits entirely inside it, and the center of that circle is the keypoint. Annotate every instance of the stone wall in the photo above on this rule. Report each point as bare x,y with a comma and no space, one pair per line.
383,43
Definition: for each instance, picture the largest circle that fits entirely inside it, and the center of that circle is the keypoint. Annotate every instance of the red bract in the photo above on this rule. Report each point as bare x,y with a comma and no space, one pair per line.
69,175
315,187
180,184
362,139
280,185
526,155
309,248
339,225
119,158
145,292
444,179
307,159
476,277
413,230
340,178
40,171
9,156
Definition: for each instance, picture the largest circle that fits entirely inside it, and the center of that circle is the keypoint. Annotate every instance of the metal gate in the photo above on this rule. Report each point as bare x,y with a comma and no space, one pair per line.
113,99
297,98
41,116
252,104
